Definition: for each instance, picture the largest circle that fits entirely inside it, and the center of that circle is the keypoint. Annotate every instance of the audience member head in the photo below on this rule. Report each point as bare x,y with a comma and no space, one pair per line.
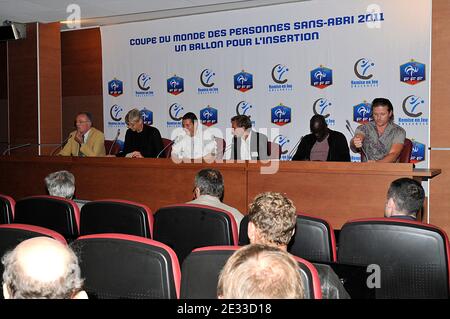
42,268
240,124
272,219
189,123
83,122
382,108
61,184
318,127
405,198
260,272
134,120
209,182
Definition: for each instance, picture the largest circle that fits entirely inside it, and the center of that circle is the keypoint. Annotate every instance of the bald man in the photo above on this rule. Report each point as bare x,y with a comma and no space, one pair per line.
42,268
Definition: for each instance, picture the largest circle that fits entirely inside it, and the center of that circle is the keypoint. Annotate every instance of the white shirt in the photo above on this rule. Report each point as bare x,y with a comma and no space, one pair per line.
245,148
196,146
85,136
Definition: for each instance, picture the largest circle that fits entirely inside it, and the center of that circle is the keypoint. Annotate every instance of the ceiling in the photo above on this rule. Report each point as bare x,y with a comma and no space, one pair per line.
107,12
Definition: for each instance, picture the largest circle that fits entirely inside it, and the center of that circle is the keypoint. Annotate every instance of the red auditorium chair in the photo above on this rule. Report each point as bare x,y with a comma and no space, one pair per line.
56,213
185,227
7,204
207,262
413,257
116,216
118,266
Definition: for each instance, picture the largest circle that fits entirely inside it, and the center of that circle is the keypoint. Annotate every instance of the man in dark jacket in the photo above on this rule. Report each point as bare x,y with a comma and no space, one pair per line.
322,144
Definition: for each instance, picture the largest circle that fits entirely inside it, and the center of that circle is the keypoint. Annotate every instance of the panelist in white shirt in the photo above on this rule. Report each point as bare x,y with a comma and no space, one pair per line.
247,144
194,143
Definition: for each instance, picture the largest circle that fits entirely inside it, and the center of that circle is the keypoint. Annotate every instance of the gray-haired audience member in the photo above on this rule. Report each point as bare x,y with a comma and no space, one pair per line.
405,199
209,188
62,184
260,272
42,268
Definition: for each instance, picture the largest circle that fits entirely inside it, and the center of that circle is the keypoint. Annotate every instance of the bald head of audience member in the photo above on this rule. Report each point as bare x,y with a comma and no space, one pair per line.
42,268
272,219
260,272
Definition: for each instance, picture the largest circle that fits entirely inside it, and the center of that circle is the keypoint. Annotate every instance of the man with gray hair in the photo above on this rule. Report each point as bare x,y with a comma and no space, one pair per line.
42,268
62,184
208,190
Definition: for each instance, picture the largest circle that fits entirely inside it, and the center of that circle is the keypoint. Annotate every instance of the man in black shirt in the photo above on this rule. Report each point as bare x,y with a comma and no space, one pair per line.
322,144
141,140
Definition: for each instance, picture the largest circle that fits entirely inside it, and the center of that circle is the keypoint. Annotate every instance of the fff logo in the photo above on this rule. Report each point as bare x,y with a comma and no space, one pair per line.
208,116
418,152
243,81
175,85
321,77
147,116
115,87
412,72
362,113
281,115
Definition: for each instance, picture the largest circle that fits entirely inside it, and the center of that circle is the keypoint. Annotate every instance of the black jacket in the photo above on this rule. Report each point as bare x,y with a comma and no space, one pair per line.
338,152
258,144
148,142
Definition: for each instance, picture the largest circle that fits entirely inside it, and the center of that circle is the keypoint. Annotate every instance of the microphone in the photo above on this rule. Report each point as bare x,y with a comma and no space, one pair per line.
9,149
352,133
170,144
114,142
294,150
60,145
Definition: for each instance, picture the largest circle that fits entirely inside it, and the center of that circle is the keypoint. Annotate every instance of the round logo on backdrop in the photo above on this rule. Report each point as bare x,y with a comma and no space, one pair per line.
278,73
243,107
174,111
409,105
319,107
143,81
206,78
115,112
361,68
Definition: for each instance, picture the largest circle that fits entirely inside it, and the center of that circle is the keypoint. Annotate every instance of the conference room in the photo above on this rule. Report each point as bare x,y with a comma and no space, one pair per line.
137,99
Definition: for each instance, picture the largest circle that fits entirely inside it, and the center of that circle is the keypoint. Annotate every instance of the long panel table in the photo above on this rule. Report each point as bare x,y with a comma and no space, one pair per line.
335,191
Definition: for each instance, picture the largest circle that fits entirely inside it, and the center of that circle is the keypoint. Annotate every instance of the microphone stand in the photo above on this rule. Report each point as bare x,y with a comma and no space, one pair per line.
9,149
352,133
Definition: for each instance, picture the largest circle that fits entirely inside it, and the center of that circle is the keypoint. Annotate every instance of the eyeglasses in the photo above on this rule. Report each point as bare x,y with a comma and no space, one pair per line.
82,122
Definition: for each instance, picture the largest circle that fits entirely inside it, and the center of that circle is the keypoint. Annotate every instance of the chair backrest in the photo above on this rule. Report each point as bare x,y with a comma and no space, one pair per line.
167,147
207,262
413,258
310,277
116,216
112,147
185,227
13,234
56,213
313,239
274,150
405,154
127,267
221,145
7,205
